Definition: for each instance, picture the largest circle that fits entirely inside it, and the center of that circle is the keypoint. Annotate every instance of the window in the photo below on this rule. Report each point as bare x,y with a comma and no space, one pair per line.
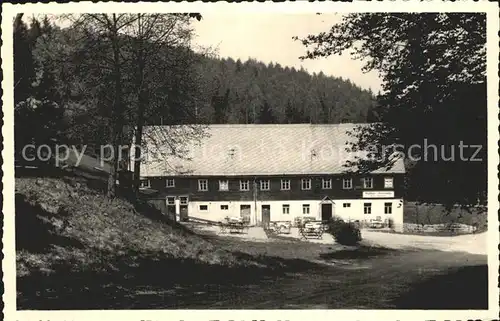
145,183
367,208
306,209
244,185
203,185
170,200
327,183
388,182
347,183
264,185
345,205
224,185
224,207
387,208
170,182
286,209
306,183
183,200
203,207
285,184
368,182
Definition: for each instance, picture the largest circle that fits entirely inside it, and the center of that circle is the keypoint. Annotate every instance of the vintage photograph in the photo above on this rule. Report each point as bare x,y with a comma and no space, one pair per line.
266,160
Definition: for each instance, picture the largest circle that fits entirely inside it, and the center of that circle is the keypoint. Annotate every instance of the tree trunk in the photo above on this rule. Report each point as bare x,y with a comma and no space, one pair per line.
117,109
138,141
141,109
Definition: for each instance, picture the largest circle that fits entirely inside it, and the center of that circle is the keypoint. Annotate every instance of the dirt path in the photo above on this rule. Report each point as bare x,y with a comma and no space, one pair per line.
391,280
394,277
473,244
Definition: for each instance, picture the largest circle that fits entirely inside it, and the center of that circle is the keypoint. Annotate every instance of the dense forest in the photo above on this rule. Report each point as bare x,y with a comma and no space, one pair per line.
253,92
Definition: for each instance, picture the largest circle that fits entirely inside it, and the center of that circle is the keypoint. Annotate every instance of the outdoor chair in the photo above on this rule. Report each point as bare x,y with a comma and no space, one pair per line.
311,233
223,227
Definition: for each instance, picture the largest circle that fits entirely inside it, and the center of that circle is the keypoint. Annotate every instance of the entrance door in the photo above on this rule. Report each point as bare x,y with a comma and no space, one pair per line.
183,214
326,211
171,206
245,213
266,215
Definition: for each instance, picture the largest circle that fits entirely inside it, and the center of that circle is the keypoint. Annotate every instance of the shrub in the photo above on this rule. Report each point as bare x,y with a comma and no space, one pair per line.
344,233
334,223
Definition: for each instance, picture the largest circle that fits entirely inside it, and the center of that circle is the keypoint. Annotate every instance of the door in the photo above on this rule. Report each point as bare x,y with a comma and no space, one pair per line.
170,206
245,213
171,211
184,213
326,211
266,215
183,210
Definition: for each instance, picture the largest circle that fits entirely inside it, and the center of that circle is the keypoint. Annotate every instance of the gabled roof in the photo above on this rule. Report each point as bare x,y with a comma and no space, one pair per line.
227,150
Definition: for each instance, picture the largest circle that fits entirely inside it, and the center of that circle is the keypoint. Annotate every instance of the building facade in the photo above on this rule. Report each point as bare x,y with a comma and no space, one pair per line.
265,173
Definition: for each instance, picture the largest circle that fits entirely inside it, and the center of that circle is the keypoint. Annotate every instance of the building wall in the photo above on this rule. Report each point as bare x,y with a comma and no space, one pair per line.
189,186
354,212
215,213
276,198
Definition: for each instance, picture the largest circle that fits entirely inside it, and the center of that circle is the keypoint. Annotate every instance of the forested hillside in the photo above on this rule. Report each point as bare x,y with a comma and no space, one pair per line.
250,91
55,65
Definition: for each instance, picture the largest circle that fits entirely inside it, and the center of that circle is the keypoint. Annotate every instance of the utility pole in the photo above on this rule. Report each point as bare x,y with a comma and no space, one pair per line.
255,197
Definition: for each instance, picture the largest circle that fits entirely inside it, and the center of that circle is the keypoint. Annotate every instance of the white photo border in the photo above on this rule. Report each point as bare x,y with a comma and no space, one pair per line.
9,261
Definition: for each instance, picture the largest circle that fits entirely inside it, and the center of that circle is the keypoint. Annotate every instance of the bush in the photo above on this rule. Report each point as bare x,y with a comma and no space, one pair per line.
334,223
344,233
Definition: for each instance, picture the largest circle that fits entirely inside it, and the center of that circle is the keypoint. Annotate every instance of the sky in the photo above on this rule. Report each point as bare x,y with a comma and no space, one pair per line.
268,38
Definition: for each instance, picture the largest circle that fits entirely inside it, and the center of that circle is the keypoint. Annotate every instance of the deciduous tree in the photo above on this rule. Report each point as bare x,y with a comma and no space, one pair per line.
433,67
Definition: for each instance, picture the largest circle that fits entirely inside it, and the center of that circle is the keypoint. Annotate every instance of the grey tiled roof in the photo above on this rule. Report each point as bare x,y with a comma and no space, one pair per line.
253,150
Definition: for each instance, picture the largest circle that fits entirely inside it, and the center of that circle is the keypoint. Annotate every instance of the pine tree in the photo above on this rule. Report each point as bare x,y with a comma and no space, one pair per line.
266,115
220,105
289,112
239,65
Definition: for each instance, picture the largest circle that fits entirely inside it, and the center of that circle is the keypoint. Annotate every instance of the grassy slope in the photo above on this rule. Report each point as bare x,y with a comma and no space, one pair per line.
63,221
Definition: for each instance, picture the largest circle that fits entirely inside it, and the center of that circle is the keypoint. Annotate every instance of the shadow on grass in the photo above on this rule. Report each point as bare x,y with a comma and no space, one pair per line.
463,288
148,282
38,169
359,253
35,234
283,238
